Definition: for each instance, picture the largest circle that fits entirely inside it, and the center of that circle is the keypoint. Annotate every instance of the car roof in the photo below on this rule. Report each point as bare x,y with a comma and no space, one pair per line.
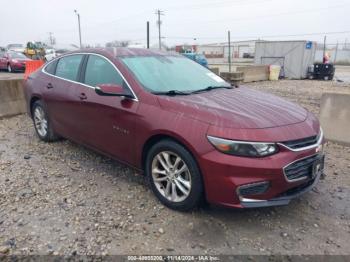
15,45
126,52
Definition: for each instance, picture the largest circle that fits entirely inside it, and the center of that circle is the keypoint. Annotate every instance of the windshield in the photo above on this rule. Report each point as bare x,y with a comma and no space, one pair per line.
166,73
17,55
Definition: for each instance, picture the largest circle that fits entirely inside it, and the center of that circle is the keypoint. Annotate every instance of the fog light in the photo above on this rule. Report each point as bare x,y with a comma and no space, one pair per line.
253,189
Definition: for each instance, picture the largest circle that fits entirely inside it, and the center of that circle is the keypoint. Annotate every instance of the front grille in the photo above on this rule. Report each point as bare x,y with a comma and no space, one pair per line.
300,143
253,189
300,169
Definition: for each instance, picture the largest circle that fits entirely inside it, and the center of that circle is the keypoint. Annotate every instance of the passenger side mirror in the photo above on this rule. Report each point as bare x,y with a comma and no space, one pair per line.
111,90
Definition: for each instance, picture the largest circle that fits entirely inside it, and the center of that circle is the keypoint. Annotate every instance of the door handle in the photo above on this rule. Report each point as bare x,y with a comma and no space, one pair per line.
82,96
49,86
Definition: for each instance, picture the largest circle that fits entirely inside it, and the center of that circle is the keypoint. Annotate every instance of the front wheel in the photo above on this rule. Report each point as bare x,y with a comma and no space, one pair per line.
174,176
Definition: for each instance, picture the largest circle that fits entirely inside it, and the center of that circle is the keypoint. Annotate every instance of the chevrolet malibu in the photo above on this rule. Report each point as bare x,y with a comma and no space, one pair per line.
194,136
13,61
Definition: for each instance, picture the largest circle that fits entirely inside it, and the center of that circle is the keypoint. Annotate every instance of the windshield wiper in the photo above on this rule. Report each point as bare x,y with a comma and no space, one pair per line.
171,93
208,88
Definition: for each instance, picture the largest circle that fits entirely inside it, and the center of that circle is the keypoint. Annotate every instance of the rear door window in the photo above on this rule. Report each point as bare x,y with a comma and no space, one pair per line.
100,71
50,68
68,67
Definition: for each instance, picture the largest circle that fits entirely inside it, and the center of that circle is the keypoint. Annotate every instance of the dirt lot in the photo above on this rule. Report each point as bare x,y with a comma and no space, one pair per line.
61,198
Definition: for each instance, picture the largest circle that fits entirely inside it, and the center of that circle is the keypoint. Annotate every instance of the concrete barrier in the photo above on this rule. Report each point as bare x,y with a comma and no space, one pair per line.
335,117
235,78
254,73
215,70
12,101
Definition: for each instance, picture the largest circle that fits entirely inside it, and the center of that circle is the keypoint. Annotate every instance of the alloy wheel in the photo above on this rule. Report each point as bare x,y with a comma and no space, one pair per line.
171,176
40,121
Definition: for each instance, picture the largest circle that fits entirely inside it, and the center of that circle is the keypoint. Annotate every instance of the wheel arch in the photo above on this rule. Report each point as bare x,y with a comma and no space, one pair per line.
155,138
33,99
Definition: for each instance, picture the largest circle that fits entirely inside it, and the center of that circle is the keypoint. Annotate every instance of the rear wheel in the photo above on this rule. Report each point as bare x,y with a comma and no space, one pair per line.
174,176
42,124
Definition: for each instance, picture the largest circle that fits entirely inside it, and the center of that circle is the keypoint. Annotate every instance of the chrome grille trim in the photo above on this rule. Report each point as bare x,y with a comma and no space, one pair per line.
314,157
318,143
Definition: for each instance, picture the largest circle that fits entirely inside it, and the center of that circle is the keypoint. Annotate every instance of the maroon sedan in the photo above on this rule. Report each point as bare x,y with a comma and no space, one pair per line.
13,61
194,135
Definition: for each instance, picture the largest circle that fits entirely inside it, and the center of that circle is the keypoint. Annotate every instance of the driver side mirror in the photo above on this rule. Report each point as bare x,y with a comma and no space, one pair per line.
111,90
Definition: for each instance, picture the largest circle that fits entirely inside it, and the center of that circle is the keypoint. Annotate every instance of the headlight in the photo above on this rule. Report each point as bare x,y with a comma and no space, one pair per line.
242,148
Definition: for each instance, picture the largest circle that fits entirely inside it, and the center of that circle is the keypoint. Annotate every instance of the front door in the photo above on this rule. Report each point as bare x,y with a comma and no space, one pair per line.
108,121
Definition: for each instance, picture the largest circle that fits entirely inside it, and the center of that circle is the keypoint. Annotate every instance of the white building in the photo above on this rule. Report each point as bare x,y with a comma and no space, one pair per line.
293,56
239,49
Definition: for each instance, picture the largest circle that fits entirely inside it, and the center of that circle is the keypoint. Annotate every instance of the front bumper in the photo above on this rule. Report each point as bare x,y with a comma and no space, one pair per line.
225,175
284,199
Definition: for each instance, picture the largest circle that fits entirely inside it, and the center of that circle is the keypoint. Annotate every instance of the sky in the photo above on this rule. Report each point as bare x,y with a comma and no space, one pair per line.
184,21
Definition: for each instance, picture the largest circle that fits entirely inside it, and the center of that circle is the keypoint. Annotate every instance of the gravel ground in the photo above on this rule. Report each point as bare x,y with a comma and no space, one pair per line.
61,198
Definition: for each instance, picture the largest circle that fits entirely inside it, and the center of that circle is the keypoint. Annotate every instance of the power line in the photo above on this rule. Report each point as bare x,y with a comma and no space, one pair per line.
263,16
260,36
218,4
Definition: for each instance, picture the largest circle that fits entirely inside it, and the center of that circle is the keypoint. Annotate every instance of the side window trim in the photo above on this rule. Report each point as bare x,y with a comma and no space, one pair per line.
83,66
83,70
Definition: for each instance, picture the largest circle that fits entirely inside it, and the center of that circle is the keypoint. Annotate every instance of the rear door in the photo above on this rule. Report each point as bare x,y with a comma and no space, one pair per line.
108,121
60,94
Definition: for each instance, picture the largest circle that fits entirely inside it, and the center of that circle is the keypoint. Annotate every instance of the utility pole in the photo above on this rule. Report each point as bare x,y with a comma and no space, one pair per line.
76,12
159,22
336,52
229,50
324,47
147,34
51,38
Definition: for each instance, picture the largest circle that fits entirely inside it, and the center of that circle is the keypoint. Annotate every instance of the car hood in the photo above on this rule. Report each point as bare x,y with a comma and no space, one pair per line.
236,108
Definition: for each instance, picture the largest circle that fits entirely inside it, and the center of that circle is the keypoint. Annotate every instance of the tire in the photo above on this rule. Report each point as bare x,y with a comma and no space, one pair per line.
9,68
42,124
187,181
